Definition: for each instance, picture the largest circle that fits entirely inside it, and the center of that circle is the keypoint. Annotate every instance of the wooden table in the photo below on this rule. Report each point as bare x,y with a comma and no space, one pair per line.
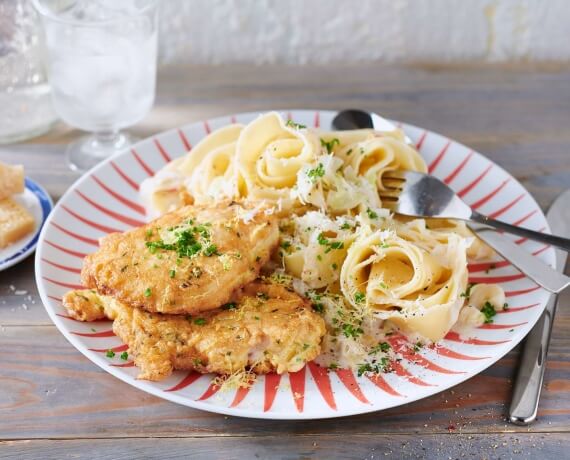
55,403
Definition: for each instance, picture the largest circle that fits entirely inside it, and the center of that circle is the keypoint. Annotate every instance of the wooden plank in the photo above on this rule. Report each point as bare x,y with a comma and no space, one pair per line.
547,446
49,390
20,302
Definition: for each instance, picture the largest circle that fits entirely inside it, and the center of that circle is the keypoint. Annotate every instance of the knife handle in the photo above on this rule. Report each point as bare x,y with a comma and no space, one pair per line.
528,384
559,241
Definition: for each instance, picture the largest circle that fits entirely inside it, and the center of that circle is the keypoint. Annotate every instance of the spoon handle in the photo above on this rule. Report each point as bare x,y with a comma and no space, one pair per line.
558,241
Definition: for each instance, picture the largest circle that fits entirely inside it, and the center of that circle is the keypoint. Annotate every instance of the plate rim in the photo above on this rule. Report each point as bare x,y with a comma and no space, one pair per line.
44,199
237,411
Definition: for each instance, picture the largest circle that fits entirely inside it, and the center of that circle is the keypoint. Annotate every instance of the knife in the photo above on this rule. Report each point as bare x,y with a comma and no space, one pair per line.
528,383
531,266
541,273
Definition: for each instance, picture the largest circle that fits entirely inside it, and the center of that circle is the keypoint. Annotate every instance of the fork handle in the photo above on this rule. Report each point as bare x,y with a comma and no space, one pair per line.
558,241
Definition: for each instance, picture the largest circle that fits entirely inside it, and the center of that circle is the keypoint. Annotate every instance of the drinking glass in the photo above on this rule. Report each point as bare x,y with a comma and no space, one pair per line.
25,104
102,69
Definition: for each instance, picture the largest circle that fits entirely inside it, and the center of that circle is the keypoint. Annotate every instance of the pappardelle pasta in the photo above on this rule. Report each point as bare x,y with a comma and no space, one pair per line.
369,273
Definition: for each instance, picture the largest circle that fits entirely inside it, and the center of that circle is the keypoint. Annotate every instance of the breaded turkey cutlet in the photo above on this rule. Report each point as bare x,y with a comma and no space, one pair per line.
266,328
185,262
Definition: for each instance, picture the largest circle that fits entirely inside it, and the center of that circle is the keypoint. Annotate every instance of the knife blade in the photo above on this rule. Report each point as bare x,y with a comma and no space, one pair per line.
541,273
528,384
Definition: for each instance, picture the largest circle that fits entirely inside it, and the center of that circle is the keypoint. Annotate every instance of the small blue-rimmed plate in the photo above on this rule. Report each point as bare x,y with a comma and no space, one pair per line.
37,201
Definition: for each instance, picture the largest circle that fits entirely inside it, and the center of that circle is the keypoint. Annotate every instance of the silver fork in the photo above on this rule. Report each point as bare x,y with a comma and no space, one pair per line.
415,194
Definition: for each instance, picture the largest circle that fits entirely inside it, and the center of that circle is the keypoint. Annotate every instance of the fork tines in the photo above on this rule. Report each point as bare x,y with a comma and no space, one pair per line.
392,186
393,180
395,174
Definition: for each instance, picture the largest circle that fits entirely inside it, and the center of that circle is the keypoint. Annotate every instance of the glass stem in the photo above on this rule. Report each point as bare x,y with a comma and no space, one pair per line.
106,142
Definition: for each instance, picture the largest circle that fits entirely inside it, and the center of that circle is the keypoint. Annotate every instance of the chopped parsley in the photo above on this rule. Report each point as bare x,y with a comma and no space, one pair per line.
334,266
330,144
286,245
384,245
324,241
189,242
229,306
383,285
172,273
318,307
373,368
418,346
147,292
382,346
315,173
200,321
359,297
371,213
467,292
333,366
211,250
262,296
292,124
124,356
110,353
351,331
345,226
489,311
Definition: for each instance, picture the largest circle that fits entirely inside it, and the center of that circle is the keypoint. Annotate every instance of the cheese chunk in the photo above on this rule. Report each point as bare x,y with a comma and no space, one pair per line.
11,180
15,222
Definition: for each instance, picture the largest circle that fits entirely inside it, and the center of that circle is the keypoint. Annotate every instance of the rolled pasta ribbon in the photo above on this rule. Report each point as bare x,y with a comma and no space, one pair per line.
215,178
480,294
269,154
469,317
373,157
339,140
179,183
350,175
226,135
402,282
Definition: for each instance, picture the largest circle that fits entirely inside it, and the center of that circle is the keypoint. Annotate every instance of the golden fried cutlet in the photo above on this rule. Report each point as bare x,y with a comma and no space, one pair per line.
187,261
266,328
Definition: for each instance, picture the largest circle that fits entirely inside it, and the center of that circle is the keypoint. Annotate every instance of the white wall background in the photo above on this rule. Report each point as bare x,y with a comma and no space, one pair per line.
323,31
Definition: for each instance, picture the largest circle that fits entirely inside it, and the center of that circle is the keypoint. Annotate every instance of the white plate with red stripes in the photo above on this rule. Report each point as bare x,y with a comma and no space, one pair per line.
106,200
